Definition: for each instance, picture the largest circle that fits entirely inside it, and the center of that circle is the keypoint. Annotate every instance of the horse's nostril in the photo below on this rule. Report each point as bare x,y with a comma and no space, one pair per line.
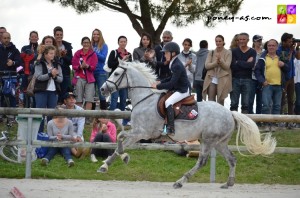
102,89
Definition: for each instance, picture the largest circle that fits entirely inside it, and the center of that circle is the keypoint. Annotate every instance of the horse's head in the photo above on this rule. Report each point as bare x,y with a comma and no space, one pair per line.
117,80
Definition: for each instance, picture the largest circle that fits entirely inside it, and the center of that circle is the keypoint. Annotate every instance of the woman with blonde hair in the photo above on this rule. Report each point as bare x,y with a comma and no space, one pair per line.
218,80
101,50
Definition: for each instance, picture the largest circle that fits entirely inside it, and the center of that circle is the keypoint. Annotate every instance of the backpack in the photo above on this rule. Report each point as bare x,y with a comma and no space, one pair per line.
9,86
42,151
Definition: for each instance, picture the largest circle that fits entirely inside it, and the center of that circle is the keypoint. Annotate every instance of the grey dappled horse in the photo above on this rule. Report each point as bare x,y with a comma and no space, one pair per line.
214,125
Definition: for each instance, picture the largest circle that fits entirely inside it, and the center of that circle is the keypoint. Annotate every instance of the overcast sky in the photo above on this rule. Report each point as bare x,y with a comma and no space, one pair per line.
22,16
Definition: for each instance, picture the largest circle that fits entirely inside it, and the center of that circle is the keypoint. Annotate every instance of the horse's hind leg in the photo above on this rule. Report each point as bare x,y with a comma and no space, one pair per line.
231,160
205,152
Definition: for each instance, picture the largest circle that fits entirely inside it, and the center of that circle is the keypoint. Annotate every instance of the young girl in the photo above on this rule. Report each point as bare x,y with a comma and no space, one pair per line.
178,83
103,131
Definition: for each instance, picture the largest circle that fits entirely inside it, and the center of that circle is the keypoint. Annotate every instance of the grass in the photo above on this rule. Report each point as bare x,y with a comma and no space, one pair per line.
166,166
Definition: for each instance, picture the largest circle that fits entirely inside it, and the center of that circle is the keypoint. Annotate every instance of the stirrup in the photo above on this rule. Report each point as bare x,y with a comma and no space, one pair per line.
164,130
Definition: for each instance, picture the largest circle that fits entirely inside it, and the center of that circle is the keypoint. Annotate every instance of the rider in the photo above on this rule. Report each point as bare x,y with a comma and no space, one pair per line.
178,83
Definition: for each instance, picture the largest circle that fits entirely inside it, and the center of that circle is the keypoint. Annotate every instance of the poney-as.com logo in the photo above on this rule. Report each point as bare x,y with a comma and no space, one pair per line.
286,14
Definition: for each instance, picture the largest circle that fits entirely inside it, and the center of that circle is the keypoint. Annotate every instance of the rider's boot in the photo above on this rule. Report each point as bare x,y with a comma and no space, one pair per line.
170,120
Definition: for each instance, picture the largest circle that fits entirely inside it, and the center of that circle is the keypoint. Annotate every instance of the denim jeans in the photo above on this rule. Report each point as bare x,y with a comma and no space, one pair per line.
297,102
122,93
65,152
100,80
255,89
65,87
198,87
271,99
45,99
240,86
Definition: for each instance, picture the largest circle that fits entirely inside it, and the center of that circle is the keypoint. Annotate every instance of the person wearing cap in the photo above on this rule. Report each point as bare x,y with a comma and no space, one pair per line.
178,83
78,122
243,60
255,89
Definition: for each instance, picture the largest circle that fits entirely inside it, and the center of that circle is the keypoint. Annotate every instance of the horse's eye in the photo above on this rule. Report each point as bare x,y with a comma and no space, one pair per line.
116,74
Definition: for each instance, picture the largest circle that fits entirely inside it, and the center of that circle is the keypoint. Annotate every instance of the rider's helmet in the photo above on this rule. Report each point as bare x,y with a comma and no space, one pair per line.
171,47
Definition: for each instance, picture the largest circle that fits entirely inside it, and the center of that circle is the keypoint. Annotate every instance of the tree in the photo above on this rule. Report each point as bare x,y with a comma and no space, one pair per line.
142,12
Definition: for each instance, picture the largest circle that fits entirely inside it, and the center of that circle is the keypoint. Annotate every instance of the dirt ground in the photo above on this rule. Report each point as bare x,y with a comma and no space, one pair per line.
35,188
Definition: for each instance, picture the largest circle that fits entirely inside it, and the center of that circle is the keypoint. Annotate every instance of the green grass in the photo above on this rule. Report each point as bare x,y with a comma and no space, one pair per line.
166,166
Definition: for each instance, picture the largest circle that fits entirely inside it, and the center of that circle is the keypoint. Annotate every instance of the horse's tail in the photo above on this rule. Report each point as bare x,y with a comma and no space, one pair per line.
249,135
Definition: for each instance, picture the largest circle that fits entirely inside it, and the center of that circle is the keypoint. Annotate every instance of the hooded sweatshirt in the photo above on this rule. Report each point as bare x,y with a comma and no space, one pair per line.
201,58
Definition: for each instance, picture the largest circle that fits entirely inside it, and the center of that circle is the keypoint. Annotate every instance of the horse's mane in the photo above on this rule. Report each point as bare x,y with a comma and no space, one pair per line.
145,71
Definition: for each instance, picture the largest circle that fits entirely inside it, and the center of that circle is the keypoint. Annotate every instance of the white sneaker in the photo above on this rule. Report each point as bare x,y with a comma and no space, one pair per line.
70,163
93,158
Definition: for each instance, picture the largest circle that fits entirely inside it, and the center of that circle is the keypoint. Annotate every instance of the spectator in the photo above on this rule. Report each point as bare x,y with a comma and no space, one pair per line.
145,52
2,30
100,75
103,131
47,40
255,89
199,75
162,66
9,60
78,123
234,42
188,59
113,63
243,60
297,83
269,71
29,54
84,63
65,59
287,54
48,78
218,80
59,129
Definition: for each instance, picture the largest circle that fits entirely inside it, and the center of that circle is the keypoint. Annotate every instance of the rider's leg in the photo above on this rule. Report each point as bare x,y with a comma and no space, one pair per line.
170,119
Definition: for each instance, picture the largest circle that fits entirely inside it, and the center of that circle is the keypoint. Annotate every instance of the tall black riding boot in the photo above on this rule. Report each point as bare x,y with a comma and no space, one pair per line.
170,120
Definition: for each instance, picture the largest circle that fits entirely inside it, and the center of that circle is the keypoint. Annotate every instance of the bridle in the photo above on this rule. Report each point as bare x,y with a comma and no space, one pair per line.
119,80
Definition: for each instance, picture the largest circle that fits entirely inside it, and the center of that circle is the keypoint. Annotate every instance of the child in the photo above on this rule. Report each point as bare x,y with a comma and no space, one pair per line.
103,131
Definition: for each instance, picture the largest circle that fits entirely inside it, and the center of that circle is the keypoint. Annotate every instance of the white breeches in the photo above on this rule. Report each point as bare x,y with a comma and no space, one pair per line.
175,97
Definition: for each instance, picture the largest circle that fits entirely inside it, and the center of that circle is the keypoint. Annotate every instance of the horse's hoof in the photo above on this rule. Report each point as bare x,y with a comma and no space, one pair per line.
177,185
125,158
103,169
225,186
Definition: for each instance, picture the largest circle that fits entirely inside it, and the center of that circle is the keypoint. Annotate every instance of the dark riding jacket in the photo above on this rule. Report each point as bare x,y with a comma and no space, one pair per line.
178,81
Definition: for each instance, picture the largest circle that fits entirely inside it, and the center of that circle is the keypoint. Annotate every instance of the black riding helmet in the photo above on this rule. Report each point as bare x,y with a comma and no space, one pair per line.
171,47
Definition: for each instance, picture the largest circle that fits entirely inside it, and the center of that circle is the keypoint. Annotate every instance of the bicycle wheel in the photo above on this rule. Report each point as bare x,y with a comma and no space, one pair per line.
9,153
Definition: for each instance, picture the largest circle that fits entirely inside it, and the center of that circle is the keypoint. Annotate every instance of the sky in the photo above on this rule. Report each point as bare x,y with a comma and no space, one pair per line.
22,16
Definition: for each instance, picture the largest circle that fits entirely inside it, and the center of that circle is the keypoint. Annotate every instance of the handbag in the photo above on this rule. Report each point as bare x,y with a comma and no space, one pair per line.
30,87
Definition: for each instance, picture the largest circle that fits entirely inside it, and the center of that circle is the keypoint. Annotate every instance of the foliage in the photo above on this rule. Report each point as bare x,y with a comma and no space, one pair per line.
180,12
166,166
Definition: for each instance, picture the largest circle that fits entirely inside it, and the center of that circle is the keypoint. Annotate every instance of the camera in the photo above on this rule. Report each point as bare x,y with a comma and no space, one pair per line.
296,40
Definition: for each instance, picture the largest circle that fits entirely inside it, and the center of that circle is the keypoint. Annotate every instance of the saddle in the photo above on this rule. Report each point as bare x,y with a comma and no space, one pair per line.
182,109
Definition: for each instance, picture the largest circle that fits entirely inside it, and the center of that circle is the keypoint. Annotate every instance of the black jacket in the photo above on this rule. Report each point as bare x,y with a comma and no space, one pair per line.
162,71
66,61
178,81
10,52
113,60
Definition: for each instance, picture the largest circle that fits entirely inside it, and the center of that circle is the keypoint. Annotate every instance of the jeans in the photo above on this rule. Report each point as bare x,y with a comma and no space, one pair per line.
65,87
45,99
198,86
122,93
122,104
297,102
102,137
255,89
240,86
288,96
100,80
65,152
271,99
